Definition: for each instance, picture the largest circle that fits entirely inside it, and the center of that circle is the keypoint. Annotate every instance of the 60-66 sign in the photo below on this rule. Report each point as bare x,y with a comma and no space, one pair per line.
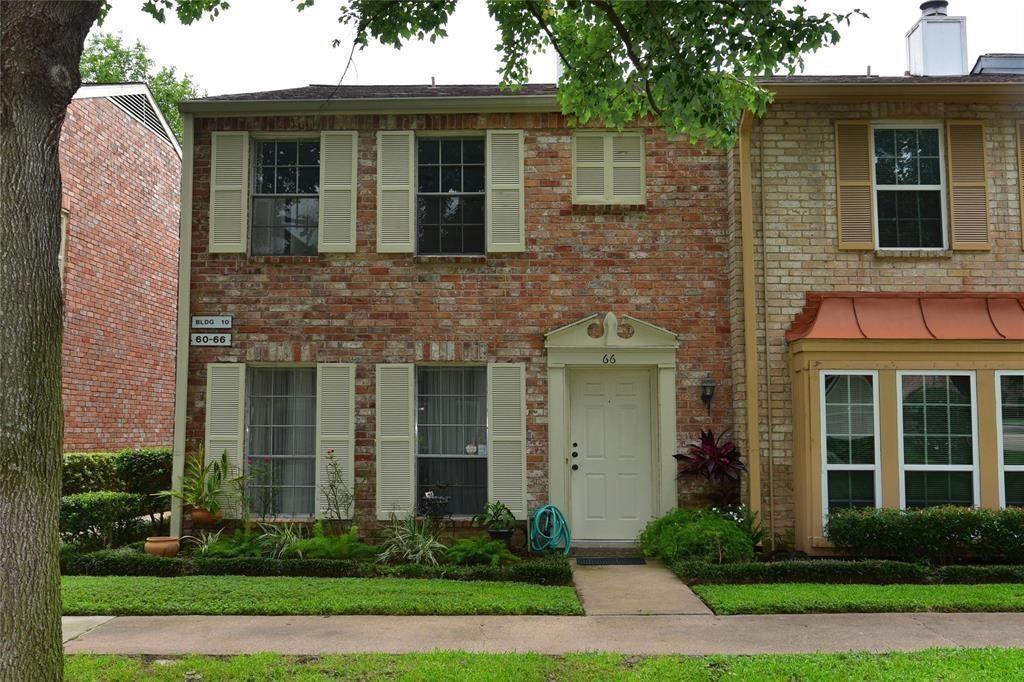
210,339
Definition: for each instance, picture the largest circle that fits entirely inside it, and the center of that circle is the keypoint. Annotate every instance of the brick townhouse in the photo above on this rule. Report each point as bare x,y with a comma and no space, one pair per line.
449,289
120,168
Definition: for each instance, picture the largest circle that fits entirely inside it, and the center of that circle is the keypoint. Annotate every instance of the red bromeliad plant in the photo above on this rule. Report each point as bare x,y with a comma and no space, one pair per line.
716,459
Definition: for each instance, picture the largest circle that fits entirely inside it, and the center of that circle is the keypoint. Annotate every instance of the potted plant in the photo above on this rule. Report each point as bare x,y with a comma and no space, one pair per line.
498,520
717,460
202,488
163,545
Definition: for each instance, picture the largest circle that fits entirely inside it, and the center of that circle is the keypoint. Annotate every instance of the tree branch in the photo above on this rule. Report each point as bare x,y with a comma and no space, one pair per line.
539,16
642,67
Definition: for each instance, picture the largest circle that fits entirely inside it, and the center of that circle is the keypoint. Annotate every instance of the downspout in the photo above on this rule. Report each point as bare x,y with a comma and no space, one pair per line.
750,362
184,286
767,354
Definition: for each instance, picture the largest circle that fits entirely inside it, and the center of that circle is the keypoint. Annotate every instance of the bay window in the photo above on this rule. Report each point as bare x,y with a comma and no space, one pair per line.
850,438
1010,389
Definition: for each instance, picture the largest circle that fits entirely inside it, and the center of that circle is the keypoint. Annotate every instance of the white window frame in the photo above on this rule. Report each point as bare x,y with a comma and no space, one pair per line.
270,136
904,467
875,187
825,466
1003,468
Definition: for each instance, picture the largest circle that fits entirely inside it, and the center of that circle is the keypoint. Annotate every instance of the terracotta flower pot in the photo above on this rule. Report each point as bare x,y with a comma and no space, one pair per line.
204,519
162,545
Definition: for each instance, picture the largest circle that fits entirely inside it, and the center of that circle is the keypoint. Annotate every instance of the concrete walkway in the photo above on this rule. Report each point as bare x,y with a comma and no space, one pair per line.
695,635
645,590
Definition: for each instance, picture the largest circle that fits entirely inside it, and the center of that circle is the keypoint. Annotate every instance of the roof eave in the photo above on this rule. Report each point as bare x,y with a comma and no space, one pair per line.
917,91
376,105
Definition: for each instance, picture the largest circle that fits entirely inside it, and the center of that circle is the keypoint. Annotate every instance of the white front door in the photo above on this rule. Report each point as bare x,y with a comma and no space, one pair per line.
610,443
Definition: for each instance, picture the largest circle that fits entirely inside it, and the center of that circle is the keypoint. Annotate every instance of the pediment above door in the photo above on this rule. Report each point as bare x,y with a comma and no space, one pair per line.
593,333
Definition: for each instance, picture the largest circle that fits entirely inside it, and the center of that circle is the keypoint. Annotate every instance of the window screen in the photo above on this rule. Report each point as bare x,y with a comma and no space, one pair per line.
451,436
285,197
1011,414
908,187
281,452
849,423
938,439
450,195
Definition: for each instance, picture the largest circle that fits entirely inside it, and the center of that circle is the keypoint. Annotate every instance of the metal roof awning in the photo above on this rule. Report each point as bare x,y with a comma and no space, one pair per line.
909,316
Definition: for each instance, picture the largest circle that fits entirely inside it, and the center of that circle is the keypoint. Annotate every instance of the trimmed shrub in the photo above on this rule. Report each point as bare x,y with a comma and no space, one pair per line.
943,535
145,471
541,571
980,574
101,519
685,534
806,571
86,472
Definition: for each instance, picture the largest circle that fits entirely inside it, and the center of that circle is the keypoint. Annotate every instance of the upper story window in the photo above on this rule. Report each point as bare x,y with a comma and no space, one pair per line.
285,197
450,195
909,187
608,168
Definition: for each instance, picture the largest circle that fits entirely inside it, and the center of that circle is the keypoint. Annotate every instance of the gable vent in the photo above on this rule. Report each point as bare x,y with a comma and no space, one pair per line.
138,107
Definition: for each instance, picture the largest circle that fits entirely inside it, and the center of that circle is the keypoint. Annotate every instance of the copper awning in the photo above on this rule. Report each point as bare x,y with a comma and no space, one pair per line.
963,316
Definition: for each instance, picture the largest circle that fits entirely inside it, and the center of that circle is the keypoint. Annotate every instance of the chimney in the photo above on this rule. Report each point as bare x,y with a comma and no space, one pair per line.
937,43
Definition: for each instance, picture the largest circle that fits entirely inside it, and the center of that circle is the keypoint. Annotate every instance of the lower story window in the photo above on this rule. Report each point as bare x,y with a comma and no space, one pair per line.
850,437
281,440
451,439
937,438
1011,437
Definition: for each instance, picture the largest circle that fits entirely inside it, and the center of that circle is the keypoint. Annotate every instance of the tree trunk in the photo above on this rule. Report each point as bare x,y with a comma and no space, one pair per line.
40,46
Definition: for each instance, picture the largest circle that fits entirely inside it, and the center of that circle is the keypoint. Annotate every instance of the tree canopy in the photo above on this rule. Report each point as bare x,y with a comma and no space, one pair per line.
108,59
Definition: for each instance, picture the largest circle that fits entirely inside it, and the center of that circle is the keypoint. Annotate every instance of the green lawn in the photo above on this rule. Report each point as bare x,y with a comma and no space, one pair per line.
819,598
934,664
280,596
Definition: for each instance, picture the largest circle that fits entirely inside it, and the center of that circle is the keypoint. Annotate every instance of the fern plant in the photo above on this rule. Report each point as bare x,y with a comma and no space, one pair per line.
480,551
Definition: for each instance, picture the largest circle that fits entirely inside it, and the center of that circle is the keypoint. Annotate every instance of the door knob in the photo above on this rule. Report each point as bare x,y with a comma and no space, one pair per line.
575,467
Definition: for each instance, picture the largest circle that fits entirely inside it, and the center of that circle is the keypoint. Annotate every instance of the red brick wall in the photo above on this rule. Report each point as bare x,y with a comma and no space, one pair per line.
121,191
665,264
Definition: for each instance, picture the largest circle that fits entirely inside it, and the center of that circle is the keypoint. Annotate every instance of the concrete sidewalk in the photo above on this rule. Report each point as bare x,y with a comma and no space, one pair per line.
635,590
695,635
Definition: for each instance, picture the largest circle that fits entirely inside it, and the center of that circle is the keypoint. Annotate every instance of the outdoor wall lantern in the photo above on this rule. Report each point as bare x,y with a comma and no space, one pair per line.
707,391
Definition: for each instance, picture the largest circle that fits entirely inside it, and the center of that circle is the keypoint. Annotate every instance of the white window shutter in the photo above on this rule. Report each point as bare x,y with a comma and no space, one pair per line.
335,432
627,168
396,179
506,216
229,185
225,421
338,152
588,168
506,447
396,454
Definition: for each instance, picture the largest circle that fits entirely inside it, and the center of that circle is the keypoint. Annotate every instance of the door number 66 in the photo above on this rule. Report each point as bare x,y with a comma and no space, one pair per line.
608,359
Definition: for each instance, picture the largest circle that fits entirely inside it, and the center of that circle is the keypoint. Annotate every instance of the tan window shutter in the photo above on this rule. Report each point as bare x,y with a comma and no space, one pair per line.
396,455
968,185
396,179
506,447
854,196
588,168
338,151
627,168
229,185
1020,175
225,421
506,220
335,434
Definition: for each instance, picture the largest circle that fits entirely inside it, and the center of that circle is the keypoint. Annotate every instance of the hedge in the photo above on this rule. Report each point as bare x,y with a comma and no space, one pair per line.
835,571
135,470
549,570
942,535
102,519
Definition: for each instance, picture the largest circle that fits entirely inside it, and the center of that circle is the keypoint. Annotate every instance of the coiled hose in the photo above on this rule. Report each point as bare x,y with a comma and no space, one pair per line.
549,530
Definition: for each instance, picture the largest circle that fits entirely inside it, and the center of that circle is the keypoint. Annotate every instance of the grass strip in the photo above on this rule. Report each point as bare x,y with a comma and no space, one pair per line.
931,664
288,596
821,598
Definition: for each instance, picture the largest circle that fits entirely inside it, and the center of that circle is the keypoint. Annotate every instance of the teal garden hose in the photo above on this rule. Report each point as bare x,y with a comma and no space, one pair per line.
549,530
